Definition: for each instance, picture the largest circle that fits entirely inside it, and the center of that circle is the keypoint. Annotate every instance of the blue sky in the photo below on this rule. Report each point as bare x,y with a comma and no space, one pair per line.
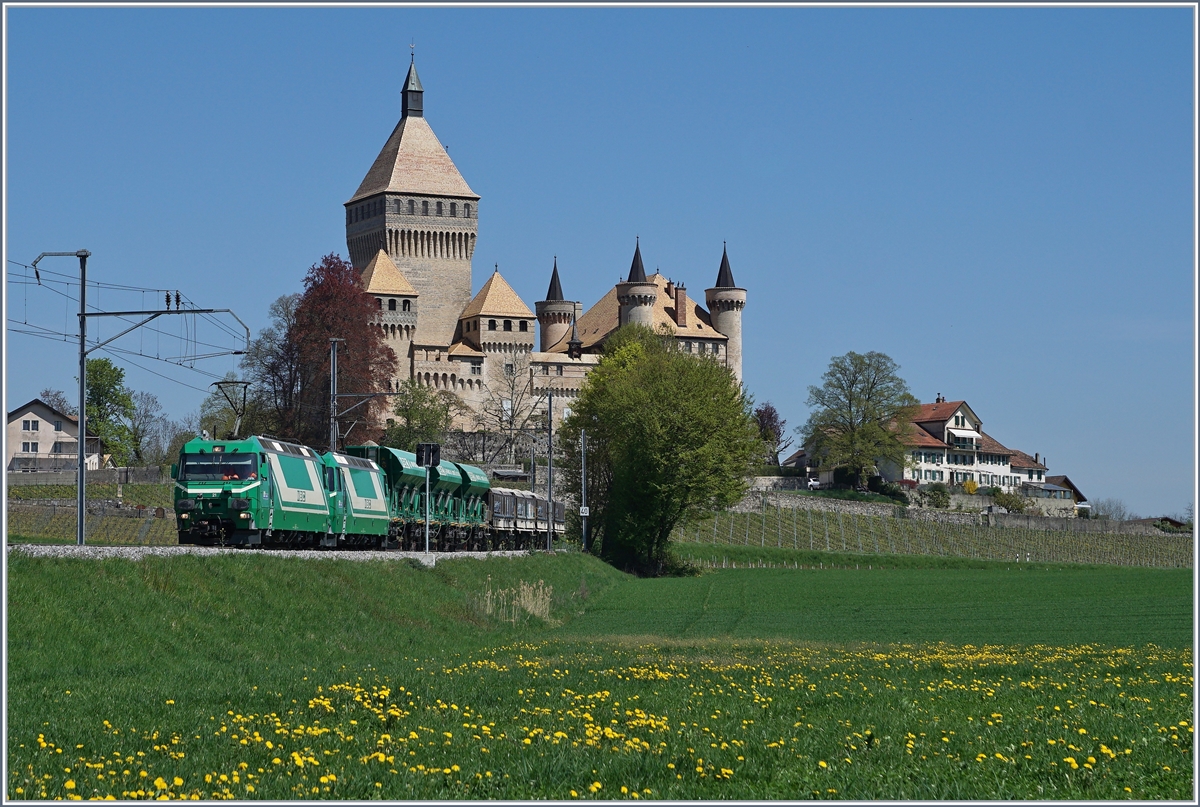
999,199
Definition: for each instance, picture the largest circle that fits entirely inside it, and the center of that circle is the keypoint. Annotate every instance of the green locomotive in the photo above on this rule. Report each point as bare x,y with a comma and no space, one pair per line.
261,491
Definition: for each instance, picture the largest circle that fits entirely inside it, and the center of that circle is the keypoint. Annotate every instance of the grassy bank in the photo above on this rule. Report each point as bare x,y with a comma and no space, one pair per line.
261,677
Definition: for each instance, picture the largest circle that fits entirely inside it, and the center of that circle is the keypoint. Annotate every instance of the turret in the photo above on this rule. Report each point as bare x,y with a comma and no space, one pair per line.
637,295
412,95
725,303
554,313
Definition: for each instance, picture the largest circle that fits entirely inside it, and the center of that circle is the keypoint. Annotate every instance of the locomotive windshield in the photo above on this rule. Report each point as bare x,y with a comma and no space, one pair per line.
218,467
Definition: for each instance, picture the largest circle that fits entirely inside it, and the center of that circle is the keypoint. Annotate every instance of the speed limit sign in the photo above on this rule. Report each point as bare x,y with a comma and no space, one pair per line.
584,512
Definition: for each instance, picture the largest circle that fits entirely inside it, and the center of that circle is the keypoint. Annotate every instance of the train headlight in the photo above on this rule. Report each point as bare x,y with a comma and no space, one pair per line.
243,515
183,516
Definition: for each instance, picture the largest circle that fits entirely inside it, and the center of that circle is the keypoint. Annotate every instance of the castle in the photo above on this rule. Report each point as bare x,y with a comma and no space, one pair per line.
411,229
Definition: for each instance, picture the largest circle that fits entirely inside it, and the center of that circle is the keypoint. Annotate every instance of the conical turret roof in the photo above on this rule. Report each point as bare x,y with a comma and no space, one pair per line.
725,274
554,294
496,298
411,82
381,276
637,272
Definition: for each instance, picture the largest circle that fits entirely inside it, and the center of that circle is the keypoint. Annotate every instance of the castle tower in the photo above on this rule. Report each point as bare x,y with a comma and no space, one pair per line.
415,206
725,303
396,316
554,313
637,295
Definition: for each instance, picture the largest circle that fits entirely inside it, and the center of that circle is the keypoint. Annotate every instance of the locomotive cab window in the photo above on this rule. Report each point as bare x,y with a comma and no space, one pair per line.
218,467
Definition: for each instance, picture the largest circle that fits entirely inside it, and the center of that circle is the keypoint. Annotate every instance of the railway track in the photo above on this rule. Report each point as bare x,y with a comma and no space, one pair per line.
140,552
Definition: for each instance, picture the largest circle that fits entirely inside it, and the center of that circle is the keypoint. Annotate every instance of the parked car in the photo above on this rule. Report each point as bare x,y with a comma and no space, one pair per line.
814,484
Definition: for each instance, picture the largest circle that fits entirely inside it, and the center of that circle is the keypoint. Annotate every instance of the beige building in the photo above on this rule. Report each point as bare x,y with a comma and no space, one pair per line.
411,230
40,438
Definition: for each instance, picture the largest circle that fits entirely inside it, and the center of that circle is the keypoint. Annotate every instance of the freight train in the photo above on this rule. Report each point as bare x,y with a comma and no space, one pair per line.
264,492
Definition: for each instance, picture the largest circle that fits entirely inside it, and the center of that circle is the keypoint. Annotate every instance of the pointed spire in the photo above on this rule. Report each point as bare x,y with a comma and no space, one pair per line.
411,102
574,345
555,291
637,272
725,274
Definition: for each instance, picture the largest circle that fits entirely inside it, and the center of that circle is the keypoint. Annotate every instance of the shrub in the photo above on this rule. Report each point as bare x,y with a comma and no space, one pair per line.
1012,502
936,495
971,487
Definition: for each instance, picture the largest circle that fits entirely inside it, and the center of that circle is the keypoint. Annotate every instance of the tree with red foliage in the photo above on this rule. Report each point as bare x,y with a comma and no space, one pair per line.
335,305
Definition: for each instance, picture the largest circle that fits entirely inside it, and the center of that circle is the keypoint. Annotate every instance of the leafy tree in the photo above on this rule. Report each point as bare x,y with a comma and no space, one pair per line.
861,413
1012,502
773,430
109,408
422,415
58,399
670,438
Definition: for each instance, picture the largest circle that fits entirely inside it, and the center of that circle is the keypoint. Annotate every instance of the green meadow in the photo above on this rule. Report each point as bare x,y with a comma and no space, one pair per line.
555,676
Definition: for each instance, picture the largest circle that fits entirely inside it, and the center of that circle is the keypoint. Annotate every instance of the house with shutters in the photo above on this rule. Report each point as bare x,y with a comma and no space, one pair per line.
41,438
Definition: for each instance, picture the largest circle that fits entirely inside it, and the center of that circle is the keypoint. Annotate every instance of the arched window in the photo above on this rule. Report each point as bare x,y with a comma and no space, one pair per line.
424,208
454,208
491,324
439,208
391,305
524,326
467,211
407,305
412,207
508,324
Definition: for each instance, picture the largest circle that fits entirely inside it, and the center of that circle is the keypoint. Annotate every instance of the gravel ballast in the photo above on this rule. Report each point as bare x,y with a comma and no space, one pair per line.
139,552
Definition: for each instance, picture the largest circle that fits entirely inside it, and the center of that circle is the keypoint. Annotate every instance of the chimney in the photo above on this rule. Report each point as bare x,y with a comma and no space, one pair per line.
1036,457
671,288
681,306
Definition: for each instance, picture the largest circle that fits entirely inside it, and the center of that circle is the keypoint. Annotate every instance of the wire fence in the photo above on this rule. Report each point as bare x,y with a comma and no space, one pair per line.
104,525
826,531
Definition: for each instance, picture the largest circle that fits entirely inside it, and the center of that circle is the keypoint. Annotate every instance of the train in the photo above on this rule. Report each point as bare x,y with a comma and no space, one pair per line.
270,493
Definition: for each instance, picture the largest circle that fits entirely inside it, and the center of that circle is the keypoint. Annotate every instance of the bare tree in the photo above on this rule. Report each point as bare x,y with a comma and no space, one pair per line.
146,423
511,409
1113,510
58,399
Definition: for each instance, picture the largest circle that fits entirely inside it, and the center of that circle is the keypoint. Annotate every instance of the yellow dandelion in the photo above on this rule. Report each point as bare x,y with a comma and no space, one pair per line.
69,784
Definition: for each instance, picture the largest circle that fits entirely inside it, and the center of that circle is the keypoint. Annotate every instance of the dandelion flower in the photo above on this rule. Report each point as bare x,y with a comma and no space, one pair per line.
69,784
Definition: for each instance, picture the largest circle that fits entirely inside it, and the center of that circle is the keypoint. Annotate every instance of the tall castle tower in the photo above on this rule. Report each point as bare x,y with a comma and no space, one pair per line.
415,206
637,295
725,303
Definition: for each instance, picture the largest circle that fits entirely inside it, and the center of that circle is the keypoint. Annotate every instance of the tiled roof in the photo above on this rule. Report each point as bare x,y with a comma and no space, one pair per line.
413,161
604,317
919,438
463,349
496,298
382,277
936,411
1022,460
1064,481
989,445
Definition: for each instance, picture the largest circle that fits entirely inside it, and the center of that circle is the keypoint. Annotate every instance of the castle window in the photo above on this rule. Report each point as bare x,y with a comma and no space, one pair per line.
702,348
508,324
454,208
716,349
349,216
558,369
467,211
524,326
491,324
509,370
545,369
380,299
391,305
439,208
476,368
406,305
412,207
424,208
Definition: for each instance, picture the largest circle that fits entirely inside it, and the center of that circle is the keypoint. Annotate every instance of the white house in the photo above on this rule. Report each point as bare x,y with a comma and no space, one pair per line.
40,438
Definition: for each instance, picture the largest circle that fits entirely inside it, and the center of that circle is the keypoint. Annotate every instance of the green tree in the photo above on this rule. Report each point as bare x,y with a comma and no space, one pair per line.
861,414
110,408
670,438
422,415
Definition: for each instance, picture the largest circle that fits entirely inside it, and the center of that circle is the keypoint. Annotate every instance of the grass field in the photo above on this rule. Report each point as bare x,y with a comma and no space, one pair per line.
255,677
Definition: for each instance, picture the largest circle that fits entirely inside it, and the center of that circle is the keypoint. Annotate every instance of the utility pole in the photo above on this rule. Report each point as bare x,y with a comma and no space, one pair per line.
333,394
84,350
550,470
583,508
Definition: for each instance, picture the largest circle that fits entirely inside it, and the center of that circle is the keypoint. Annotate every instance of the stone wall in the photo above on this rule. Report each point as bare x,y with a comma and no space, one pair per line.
151,475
